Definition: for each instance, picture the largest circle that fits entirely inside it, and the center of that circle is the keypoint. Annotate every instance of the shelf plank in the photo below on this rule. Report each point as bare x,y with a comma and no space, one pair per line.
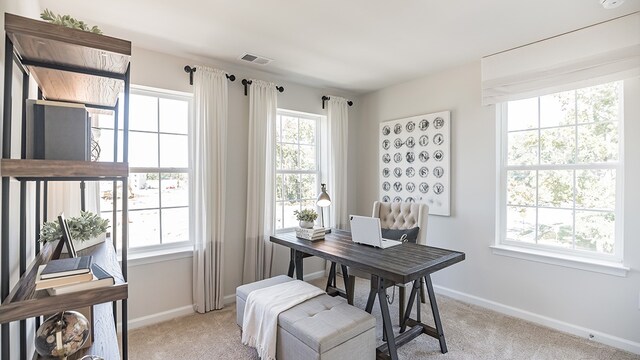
25,302
45,169
74,87
105,342
42,41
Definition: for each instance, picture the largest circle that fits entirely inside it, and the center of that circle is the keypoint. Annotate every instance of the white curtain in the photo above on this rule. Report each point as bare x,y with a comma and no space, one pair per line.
260,181
207,182
65,196
338,119
593,55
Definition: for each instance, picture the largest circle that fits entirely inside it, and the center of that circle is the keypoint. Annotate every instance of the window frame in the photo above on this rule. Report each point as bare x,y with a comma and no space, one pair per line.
160,248
319,171
572,257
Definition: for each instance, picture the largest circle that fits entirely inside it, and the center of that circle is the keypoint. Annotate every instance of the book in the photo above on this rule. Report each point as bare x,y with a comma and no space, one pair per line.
42,284
65,267
315,230
310,234
101,278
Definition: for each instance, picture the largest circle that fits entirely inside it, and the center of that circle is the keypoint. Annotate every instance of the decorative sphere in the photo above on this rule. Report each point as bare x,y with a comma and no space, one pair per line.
62,334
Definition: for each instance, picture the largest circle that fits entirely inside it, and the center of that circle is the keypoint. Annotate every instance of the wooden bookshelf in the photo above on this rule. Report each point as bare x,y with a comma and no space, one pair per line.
41,42
25,302
27,169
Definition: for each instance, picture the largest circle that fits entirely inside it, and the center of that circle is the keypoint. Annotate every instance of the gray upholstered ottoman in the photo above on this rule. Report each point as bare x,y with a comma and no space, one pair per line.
322,328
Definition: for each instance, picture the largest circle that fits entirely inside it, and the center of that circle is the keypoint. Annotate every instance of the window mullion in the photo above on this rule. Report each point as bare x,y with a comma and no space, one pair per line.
575,161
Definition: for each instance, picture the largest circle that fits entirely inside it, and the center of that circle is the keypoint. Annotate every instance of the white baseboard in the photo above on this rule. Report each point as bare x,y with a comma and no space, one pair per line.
159,317
313,276
580,331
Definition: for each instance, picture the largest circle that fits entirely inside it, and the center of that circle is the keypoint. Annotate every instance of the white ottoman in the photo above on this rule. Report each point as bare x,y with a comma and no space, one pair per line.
323,328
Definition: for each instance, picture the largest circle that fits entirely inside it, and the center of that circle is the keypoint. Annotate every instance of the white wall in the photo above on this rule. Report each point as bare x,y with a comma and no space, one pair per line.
603,303
148,296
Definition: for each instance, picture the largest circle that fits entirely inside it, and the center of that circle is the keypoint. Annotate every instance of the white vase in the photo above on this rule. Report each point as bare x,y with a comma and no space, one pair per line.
306,224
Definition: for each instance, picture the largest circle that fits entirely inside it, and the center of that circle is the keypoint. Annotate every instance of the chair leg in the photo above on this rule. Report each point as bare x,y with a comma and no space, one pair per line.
423,290
401,301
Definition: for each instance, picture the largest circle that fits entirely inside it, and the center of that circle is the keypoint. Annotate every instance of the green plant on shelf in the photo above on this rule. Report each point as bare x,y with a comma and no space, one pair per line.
308,215
68,21
81,228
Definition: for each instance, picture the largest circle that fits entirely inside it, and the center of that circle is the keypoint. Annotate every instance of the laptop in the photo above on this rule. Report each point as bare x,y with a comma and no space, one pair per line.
366,230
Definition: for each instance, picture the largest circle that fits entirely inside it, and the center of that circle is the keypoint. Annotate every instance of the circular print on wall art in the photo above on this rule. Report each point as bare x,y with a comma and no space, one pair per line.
438,171
386,130
386,172
397,129
397,199
397,143
386,198
397,157
424,187
410,142
397,172
410,126
438,155
410,200
397,186
438,123
424,124
410,156
386,158
438,139
423,171
438,188
385,144
410,187
423,156
424,140
386,186
410,172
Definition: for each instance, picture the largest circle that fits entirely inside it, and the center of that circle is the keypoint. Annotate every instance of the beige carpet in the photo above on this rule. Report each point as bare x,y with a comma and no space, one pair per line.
471,333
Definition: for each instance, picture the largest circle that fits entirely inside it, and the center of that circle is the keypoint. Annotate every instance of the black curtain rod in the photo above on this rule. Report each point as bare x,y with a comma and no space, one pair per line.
191,70
325,98
246,84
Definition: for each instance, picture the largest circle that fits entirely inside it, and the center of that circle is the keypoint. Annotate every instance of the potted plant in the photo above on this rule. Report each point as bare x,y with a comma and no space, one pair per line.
306,217
86,230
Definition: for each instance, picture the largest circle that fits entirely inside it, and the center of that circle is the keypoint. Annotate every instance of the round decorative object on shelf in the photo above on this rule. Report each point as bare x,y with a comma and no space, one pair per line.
62,334
306,224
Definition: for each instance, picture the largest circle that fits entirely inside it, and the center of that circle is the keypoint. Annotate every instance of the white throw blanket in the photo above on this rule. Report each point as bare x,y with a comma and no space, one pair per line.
260,323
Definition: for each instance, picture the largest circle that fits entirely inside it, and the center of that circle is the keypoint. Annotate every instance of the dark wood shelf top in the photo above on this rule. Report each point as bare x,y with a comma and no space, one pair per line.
25,302
43,42
30,169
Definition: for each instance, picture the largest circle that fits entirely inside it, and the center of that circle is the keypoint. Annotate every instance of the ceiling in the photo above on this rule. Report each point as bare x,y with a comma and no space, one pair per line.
354,45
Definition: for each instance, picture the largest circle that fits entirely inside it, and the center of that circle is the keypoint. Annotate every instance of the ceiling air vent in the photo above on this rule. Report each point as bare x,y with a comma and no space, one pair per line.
255,59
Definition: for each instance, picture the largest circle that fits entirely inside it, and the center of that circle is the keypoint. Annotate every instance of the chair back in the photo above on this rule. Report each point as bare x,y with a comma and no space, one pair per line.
403,215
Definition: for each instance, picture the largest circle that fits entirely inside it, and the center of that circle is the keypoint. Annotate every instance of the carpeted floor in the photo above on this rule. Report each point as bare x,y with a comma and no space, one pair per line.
471,332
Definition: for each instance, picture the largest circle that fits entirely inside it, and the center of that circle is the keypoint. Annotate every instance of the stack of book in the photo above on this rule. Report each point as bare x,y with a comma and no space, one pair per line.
65,276
317,233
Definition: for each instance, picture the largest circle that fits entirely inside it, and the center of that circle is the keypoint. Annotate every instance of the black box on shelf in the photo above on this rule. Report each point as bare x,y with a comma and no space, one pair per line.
58,131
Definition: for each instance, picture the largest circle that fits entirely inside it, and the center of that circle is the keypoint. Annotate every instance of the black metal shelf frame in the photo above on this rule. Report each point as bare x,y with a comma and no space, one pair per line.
42,185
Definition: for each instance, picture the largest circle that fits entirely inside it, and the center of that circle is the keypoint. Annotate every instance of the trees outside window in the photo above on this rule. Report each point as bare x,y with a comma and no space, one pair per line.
560,167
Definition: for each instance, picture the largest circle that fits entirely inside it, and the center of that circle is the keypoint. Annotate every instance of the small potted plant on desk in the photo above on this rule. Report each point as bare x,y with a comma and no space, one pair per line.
306,218
86,230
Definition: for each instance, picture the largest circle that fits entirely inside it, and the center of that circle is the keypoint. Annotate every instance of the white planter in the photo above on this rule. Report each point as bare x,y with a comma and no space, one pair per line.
80,245
306,224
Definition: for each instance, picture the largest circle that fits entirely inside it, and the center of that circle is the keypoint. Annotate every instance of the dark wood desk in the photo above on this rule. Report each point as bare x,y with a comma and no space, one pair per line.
396,265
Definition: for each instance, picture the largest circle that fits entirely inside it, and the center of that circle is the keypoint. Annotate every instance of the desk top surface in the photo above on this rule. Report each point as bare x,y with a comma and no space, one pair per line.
401,264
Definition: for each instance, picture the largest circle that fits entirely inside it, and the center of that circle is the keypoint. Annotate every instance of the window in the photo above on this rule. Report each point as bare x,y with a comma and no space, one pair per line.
158,168
561,172
297,165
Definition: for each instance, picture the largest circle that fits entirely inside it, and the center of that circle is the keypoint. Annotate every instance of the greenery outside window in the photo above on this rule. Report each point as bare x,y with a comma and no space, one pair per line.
297,165
158,189
561,172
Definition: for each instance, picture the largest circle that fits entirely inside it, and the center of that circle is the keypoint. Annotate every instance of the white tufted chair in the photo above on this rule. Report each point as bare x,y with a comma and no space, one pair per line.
399,215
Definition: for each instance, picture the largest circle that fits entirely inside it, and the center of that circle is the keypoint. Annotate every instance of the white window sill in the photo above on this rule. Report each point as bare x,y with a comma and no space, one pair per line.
158,255
599,266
